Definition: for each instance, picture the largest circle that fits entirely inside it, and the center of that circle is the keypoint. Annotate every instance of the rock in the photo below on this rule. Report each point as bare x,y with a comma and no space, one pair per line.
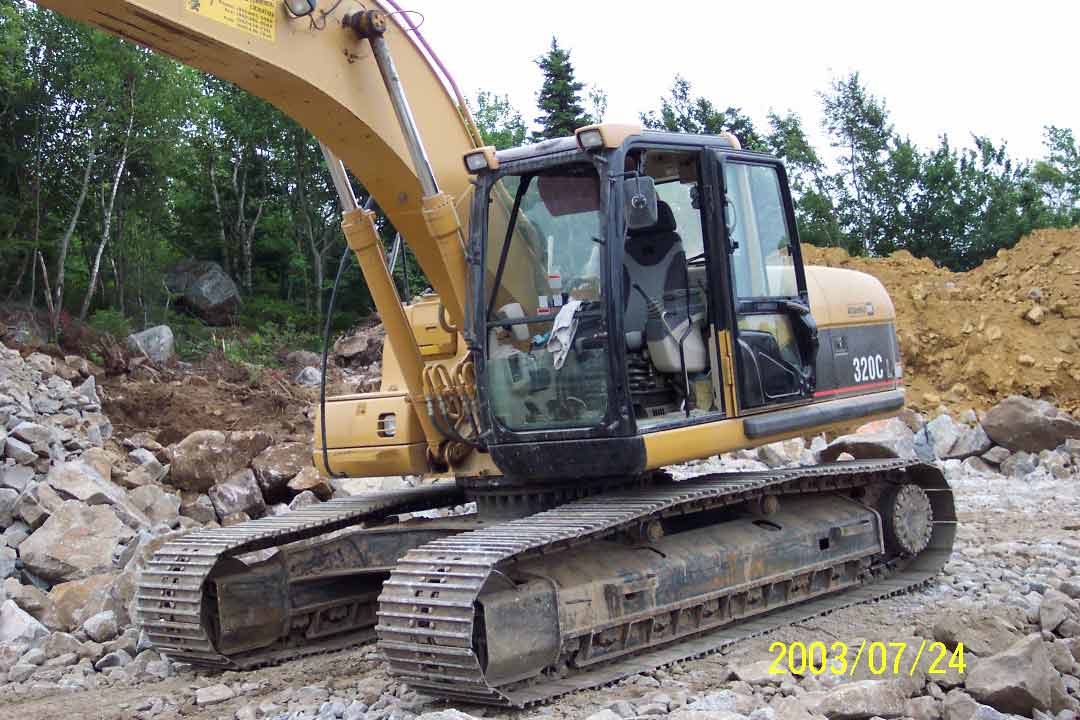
978,465
1060,656
101,627
1020,423
199,508
88,389
8,558
206,290
276,466
149,473
72,603
32,433
863,699
75,542
996,455
160,507
213,695
885,439
157,343
117,658
1015,681
972,441
362,349
982,633
37,504
9,500
16,477
1018,465
19,451
240,493
21,672
303,358
943,433
17,625
758,673
959,706
310,479
923,708
1053,610
61,643
208,457
235,519
31,599
303,500
79,481
309,376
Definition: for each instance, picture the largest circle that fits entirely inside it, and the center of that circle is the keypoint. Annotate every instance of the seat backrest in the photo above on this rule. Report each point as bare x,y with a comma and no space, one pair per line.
654,260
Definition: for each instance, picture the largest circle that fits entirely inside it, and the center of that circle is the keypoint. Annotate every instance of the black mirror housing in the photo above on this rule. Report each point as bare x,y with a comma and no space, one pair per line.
639,194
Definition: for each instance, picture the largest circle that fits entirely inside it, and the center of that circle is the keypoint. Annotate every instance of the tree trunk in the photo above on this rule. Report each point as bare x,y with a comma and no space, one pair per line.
223,240
108,213
57,304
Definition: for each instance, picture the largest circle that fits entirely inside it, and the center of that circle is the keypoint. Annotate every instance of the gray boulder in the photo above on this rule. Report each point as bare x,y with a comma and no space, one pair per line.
1020,423
972,441
75,542
1019,464
18,626
863,699
208,457
886,439
157,343
206,290
309,376
1016,681
943,433
276,466
240,493
80,481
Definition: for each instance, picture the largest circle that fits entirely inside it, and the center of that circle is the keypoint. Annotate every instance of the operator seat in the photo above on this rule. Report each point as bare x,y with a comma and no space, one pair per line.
655,261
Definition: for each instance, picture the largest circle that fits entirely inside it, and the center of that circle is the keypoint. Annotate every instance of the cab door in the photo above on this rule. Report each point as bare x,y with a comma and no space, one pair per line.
774,336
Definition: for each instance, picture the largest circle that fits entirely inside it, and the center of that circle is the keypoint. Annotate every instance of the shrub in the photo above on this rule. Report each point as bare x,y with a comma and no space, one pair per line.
111,322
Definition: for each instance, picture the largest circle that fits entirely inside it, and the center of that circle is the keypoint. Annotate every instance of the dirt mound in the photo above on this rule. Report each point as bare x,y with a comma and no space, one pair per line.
1009,327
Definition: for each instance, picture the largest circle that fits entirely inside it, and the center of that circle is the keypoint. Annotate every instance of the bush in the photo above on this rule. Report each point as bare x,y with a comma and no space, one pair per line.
111,322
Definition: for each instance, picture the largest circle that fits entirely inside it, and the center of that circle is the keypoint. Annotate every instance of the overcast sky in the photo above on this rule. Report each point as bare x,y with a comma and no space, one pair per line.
949,66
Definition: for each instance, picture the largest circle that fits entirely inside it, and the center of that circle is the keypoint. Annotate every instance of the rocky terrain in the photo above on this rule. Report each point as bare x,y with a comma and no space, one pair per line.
82,508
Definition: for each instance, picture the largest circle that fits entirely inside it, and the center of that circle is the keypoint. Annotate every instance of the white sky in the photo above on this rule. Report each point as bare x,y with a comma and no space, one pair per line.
999,69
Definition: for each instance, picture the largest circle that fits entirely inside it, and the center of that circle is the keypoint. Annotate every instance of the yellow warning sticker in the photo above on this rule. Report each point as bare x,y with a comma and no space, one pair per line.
252,16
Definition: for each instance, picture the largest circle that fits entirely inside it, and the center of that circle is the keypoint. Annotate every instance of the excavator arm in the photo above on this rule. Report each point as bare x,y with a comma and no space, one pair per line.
326,78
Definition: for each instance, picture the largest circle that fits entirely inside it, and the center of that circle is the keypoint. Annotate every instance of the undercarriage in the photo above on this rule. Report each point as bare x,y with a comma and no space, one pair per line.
491,610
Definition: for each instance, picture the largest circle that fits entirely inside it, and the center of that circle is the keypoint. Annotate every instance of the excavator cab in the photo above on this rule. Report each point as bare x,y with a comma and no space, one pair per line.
630,289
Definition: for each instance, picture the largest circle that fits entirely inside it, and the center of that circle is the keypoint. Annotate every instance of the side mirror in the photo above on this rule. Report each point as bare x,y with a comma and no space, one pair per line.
641,208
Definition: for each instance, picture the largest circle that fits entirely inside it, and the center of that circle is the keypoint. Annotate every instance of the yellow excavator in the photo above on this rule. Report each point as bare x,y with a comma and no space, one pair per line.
604,306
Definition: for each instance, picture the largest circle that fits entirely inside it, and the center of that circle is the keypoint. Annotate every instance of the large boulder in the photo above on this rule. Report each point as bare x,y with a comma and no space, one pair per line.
208,457
362,348
1016,681
157,343
77,541
276,466
941,434
18,626
972,441
206,290
1020,423
982,633
863,699
884,439
159,506
81,481
74,602
239,493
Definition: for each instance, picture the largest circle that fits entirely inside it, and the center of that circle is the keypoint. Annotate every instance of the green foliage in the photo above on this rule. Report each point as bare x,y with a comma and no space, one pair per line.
110,322
680,112
266,346
559,99
499,123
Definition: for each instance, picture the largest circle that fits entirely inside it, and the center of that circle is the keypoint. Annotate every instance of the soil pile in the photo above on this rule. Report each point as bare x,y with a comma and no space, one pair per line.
1009,327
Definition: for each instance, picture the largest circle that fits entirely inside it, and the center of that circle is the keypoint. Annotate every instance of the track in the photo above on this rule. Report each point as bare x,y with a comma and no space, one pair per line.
428,613
171,599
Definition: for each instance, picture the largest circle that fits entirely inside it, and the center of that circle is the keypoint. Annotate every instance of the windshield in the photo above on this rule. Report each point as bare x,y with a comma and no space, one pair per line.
546,340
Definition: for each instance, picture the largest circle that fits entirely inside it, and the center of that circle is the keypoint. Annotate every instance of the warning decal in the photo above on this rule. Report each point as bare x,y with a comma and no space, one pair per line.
252,16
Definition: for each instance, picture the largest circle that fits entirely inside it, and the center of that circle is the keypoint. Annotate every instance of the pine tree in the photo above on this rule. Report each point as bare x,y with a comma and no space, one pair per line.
559,99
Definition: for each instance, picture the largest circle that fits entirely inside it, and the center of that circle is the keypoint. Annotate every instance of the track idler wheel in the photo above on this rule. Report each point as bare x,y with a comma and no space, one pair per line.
908,519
